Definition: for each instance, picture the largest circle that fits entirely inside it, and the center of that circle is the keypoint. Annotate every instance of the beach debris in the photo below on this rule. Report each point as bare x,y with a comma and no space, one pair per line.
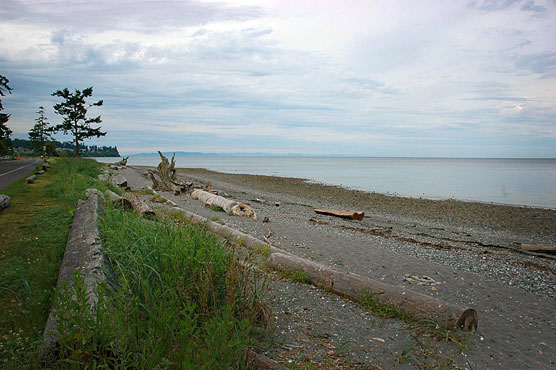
207,187
354,215
139,205
538,248
257,200
236,208
424,280
266,219
4,201
277,204
266,237
119,181
166,172
39,172
380,340
116,199
31,179
45,166
123,162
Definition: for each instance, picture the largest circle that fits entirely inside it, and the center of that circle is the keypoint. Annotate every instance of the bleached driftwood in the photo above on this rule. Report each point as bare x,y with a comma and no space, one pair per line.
354,215
119,180
352,285
168,179
139,205
4,201
31,179
210,199
116,199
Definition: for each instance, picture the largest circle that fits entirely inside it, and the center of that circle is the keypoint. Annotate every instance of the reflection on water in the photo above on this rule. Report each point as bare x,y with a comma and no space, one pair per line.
530,182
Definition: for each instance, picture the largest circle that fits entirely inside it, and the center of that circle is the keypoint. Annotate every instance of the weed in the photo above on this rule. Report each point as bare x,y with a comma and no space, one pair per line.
216,208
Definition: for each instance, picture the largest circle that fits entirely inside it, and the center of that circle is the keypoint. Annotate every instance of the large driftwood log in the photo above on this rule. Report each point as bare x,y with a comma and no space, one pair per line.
31,179
139,205
210,199
354,215
4,201
166,172
352,285
116,199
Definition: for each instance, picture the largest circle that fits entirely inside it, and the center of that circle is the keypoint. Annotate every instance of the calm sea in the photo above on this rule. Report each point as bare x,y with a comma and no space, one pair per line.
529,182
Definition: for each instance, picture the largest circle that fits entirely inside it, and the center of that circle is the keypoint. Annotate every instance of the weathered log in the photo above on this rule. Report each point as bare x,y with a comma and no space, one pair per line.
139,205
4,201
119,180
31,179
354,215
116,199
260,362
169,180
353,285
39,172
210,199
45,166
538,248
123,162
103,177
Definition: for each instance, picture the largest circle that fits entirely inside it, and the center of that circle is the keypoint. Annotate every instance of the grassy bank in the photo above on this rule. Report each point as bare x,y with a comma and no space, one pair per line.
34,230
174,297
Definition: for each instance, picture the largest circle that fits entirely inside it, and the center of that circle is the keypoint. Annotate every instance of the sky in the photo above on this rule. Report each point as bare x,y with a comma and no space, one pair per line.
354,78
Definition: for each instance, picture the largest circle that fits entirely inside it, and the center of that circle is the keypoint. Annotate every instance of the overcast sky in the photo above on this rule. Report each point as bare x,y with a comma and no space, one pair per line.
362,78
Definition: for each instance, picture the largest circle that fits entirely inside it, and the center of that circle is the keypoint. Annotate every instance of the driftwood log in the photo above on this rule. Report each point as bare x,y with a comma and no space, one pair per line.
538,248
123,162
168,179
31,179
119,180
4,201
116,199
260,362
103,177
210,199
352,285
354,215
139,205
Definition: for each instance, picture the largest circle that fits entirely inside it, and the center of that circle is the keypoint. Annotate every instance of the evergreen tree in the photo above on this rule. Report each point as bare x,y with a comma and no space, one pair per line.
74,110
5,132
40,132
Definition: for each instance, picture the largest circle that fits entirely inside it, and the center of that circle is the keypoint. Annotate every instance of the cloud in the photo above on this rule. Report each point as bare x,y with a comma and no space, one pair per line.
543,63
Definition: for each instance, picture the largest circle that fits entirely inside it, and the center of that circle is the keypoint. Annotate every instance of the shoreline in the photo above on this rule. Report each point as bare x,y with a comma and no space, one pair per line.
536,223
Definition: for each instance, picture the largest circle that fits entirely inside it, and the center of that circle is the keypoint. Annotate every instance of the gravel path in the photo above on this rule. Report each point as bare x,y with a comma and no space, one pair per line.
466,253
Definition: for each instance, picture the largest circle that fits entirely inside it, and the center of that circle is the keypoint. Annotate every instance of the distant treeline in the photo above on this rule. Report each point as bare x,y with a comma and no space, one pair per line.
68,147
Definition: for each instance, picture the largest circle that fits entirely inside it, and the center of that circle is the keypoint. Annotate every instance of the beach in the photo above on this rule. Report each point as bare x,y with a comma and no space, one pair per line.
461,252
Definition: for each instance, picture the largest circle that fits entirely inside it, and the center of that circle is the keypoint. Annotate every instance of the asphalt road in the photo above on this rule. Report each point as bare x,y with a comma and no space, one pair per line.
11,171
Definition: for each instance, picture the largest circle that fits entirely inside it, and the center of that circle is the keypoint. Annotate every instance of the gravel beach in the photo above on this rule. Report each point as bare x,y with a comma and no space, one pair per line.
462,252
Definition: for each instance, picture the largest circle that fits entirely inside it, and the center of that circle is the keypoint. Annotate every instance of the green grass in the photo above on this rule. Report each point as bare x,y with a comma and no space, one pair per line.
176,298
217,208
34,230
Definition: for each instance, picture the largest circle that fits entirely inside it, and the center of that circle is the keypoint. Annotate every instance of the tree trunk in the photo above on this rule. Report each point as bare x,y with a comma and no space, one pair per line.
166,171
31,179
116,199
139,205
210,199
352,285
4,201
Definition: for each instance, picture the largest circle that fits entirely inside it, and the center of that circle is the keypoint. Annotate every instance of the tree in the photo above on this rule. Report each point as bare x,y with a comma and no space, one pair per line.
40,132
5,132
74,110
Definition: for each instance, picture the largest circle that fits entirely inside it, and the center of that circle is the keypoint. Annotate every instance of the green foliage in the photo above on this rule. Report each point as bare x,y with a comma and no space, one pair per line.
40,132
74,110
217,208
175,299
385,310
5,132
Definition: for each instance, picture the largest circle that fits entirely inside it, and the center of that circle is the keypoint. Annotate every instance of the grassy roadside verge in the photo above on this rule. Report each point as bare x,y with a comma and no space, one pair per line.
34,230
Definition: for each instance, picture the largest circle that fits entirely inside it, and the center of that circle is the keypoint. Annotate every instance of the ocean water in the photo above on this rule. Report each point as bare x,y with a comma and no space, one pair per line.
527,182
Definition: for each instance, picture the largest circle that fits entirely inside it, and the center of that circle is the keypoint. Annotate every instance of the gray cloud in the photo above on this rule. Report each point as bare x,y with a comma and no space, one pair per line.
543,63
136,15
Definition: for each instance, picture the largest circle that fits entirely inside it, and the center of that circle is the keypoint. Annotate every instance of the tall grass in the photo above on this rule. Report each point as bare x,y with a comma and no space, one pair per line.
175,298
